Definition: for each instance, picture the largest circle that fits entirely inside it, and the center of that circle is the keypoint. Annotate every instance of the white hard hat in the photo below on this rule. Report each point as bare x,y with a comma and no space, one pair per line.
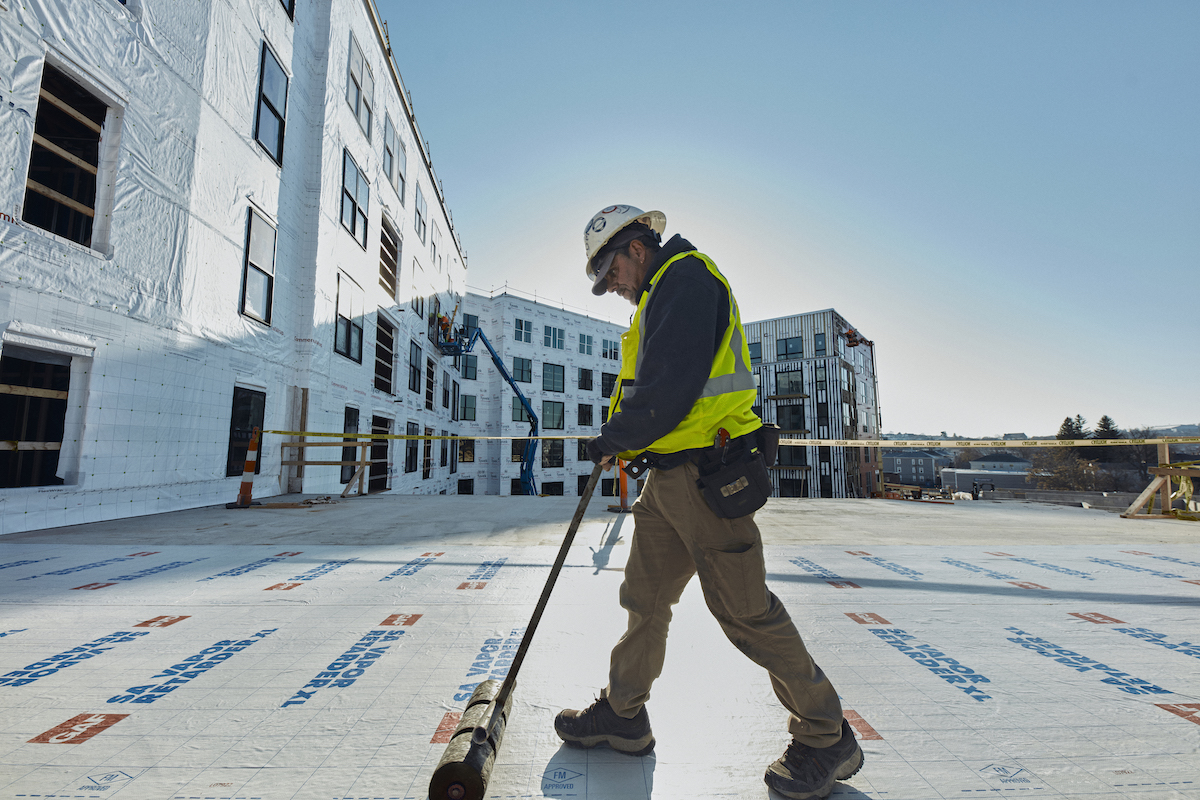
603,227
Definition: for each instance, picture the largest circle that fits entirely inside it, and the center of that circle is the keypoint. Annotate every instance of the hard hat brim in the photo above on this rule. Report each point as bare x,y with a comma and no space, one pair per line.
600,284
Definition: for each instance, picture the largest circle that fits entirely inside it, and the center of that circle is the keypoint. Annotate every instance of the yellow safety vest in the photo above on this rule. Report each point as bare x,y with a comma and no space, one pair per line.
728,397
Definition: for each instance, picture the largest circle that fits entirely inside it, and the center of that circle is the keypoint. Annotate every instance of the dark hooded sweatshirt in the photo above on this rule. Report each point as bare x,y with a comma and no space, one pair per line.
682,327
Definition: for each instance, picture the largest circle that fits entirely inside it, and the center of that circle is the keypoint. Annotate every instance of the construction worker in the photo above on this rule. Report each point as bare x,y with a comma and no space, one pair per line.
683,407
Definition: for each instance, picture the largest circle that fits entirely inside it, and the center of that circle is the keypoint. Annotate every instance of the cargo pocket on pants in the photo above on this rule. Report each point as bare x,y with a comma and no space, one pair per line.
736,578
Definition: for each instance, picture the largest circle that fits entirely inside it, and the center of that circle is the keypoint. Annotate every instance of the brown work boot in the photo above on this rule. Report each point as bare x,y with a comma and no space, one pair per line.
599,724
804,772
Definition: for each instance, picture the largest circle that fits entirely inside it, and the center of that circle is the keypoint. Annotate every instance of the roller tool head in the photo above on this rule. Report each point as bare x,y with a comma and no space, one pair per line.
463,772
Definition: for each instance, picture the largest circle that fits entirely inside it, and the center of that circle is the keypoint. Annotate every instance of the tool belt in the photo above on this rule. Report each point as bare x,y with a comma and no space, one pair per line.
733,477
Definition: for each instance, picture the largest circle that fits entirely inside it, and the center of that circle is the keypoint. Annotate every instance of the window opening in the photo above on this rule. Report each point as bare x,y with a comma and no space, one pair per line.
249,408
553,378
553,414
467,412
427,463
258,271
33,413
430,375
522,370
60,189
378,480
410,448
272,105
350,426
466,451
360,88
356,198
414,367
552,455
466,486
585,378
608,382
385,355
389,259
422,214
347,338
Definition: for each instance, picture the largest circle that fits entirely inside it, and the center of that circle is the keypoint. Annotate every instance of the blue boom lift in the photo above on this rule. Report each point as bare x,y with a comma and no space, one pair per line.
461,345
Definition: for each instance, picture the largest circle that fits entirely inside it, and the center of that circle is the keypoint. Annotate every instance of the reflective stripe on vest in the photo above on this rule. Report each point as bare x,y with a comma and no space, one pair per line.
727,398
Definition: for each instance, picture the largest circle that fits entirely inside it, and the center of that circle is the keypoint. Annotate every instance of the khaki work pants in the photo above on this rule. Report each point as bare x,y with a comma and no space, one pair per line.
676,536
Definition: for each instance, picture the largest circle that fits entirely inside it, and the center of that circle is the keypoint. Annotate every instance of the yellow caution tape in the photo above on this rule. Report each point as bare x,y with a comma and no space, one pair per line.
884,443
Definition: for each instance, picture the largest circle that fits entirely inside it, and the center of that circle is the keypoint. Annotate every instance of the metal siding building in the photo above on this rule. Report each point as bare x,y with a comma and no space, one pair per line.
814,385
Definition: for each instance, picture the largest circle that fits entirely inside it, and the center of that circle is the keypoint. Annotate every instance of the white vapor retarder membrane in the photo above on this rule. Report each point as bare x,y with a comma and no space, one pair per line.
327,672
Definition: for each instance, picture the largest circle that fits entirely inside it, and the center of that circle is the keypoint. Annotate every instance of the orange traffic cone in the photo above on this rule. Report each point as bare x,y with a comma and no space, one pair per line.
243,498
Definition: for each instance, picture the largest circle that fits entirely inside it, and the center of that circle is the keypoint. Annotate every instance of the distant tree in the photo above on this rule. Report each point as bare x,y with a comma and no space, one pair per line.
1144,455
963,457
1106,428
1073,428
1061,469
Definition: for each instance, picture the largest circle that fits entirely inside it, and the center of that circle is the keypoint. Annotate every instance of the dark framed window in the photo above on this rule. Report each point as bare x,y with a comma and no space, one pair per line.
444,461
466,486
552,455
454,400
755,352
470,325
410,447
523,330
60,188
249,408
791,456
585,344
517,451
553,415
389,149
360,88
515,488
467,410
34,386
790,349
608,382
603,414
348,329
421,215
414,367
385,355
611,349
791,487
466,451
790,418
430,374
554,337
356,198
585,378
288,5
790,382
818,344
585,414
553,378
519,414
522,370
272,105
608,487
470,366
445,390
349,453
582,454
581,483
258,269
554,488
389,259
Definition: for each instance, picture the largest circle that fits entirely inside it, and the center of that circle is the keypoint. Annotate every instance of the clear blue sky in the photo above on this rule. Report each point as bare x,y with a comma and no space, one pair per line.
1004,196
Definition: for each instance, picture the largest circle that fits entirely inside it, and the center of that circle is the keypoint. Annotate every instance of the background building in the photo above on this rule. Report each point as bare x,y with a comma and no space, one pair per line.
813,383
914,467
217,215
565,363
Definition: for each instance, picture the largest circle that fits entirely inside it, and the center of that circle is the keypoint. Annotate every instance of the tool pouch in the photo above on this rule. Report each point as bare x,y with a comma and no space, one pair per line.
737,484
768,442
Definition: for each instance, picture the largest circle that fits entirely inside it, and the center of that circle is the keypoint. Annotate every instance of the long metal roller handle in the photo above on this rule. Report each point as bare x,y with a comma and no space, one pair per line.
482,732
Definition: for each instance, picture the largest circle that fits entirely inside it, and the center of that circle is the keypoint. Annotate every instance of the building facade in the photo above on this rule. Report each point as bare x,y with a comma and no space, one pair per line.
566,365
219,215
914,467
817,380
